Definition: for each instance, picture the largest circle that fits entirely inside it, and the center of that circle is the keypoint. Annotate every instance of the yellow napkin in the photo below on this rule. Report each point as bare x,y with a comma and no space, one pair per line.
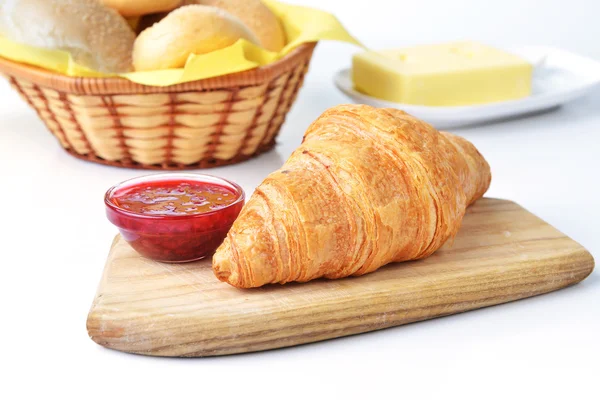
301,25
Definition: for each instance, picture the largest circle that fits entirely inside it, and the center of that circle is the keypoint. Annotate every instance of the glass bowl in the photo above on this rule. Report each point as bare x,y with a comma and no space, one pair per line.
173,238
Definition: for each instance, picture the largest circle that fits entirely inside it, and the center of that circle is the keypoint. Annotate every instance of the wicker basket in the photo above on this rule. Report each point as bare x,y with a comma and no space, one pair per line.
200,124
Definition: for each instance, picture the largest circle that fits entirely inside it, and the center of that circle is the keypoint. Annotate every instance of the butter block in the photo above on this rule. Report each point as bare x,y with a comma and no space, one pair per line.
450,74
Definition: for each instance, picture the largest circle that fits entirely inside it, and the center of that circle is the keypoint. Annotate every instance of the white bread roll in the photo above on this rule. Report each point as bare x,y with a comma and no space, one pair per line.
257,16
188,30
96,36
135,8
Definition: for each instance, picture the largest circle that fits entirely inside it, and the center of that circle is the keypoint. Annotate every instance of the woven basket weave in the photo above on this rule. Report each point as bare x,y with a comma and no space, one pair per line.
200,124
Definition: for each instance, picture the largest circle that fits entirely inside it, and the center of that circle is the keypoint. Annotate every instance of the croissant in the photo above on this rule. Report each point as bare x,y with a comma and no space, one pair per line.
367,187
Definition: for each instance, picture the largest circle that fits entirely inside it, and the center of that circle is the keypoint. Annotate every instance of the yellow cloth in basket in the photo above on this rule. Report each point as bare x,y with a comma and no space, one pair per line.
301,25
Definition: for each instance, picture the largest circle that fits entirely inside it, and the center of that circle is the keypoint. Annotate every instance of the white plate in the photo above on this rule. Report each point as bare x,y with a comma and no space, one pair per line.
559,76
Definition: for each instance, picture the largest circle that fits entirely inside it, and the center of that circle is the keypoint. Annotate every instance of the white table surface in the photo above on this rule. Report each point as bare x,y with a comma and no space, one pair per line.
55,239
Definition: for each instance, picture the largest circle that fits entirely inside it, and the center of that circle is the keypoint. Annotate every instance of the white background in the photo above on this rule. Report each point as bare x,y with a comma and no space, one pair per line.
54,240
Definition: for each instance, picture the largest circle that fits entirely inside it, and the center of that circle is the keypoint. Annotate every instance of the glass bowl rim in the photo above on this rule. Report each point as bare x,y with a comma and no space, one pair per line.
166,177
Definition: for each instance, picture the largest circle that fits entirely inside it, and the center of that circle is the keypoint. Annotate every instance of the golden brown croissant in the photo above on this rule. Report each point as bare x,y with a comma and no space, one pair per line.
366,187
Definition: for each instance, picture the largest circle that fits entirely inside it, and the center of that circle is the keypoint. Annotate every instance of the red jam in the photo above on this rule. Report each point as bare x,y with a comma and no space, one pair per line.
174,217
174,198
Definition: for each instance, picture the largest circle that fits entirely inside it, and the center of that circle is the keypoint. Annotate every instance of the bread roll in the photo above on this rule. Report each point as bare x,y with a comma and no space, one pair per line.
135,8
188,30
258,17
96,36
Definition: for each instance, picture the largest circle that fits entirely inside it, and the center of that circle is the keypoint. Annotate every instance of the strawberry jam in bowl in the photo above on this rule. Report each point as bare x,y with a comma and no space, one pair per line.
174,218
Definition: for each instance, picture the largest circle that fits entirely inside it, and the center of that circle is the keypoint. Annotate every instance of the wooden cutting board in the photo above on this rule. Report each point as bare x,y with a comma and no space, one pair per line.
502,253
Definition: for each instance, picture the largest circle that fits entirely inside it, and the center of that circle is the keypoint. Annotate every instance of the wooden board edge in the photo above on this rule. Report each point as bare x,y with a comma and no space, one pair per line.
586,262
98,295
106,332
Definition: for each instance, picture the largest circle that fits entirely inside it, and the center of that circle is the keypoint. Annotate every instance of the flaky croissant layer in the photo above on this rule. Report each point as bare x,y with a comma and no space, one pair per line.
366,187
